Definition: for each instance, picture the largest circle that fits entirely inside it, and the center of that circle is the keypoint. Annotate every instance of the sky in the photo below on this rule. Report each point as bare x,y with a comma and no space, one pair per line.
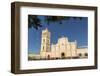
73,29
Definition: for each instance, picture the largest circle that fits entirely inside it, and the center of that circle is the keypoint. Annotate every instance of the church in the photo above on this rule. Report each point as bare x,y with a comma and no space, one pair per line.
61,50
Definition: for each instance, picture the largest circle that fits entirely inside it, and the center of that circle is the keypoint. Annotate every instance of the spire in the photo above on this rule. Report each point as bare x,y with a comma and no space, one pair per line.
46,29
76,41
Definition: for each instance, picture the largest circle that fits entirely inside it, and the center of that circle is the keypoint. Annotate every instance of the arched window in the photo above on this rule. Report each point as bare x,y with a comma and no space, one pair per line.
80,54
62,55
85,54
43,47
48,40
48,56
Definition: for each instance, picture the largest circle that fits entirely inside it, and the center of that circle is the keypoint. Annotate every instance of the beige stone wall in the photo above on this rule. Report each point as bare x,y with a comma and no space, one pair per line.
53,50
73,49
68,50
43,54
82,52
57,51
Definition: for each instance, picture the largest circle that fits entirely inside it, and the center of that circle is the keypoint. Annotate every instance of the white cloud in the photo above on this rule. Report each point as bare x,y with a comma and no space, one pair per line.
84,46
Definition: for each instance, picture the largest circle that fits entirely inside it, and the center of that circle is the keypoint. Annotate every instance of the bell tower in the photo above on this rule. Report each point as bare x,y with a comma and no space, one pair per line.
45,43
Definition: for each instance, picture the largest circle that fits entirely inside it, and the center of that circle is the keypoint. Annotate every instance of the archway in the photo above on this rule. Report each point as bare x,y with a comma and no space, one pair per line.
85,54
63,55
80,54
48,56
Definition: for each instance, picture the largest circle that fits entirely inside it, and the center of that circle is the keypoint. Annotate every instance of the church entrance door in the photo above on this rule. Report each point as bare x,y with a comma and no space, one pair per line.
48,56
62,55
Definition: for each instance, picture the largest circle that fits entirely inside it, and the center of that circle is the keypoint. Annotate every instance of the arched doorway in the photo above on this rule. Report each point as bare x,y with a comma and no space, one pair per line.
48,56
85,54
80,55
63,55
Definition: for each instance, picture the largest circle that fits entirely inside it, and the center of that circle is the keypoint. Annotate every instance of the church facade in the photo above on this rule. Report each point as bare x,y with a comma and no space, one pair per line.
62,49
